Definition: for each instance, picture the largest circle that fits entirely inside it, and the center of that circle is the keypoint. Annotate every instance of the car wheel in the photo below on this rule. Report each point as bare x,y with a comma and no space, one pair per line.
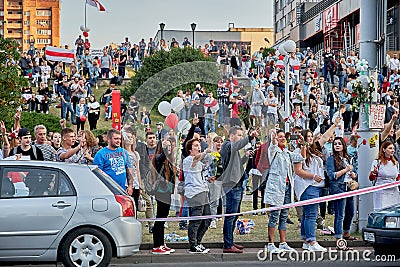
86,247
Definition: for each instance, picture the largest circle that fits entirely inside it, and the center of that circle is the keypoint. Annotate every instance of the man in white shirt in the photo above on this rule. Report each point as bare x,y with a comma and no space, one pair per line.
271,116
394,62
339,131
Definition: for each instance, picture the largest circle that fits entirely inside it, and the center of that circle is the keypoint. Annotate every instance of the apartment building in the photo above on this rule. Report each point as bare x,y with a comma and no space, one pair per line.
33,23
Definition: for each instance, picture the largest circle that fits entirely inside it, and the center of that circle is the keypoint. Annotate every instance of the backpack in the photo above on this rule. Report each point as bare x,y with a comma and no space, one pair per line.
33,148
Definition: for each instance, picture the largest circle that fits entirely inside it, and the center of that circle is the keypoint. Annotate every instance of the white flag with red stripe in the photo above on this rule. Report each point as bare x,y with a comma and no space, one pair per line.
59,54
97,4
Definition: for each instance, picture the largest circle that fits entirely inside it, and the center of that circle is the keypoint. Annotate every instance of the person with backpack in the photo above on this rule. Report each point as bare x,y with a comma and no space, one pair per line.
25,150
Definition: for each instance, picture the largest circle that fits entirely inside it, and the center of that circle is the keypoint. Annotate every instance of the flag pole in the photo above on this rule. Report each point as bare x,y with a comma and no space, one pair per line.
85,13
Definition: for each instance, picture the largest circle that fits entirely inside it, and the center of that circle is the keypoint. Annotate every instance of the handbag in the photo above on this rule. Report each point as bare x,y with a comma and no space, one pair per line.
181,188
263,182
151,184
352,185
141,204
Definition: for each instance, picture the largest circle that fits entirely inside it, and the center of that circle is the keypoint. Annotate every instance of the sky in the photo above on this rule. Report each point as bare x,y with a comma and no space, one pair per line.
138,19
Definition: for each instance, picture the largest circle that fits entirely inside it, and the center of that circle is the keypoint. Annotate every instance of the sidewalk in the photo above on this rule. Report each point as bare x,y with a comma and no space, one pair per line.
250,253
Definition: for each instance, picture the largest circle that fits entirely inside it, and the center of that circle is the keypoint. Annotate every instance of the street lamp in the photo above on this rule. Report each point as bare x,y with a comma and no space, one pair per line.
286,49
162,26
193,25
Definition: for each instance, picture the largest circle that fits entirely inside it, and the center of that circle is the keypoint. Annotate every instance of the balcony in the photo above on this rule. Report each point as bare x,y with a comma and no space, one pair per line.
14,7
14,25
14,35
13,16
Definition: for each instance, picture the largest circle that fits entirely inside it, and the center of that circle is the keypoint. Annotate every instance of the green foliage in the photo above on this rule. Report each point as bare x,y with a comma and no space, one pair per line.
11,82
30,120
267,50
163,74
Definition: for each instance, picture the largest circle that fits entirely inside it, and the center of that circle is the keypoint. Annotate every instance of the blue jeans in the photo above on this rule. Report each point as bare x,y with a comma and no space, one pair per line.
310,213
282,214
222,113
209,123
136,65
233,200
341,82
67,106
344,212
105,73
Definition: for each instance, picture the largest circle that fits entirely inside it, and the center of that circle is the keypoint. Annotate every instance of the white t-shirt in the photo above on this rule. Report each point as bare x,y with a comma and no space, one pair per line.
339,130
195,183
273,110
316,167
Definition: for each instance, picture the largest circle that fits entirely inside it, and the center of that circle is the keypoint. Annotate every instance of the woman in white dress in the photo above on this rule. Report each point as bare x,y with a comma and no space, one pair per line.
385,170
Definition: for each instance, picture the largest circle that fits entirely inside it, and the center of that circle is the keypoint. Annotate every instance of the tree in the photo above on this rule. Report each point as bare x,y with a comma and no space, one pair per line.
164,73
11,81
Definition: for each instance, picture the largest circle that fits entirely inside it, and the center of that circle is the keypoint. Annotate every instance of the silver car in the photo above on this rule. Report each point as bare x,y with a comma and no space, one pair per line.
71,213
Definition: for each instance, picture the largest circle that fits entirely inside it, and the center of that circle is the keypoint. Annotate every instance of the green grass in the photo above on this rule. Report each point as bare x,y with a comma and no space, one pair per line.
259,233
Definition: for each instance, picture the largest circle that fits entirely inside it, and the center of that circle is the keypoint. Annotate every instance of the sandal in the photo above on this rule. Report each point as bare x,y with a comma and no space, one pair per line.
344,248
350,238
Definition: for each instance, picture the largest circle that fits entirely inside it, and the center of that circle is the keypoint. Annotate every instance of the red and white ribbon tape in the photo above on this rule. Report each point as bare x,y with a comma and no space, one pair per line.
286,206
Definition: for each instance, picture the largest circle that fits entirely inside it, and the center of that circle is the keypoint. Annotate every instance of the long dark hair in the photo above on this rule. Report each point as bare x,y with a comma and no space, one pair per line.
168,163
338,156
312,149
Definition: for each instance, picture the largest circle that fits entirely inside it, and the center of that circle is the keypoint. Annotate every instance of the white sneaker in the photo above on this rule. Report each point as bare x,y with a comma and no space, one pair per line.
305,246
166,225
316,247
285,247
213,224
205,250
270,248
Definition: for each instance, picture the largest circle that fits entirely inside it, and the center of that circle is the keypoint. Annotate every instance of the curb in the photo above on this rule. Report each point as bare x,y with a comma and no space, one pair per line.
255,244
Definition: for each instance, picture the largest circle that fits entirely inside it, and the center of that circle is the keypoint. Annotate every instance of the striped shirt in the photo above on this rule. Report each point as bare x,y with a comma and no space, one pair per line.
49,153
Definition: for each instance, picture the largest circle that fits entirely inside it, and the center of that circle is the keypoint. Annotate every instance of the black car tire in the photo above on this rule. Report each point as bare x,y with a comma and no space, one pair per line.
96,249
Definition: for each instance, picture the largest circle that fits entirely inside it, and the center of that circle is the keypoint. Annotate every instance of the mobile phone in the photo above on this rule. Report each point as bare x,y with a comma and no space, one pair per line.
294,137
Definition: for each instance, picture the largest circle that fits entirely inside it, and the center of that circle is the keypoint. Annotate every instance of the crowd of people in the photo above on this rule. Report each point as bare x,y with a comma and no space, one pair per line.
214,171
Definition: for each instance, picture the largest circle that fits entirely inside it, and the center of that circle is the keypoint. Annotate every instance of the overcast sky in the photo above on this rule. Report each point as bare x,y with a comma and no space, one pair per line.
138,19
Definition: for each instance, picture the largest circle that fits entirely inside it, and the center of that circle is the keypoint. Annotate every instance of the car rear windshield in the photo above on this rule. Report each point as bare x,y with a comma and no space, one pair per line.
109,182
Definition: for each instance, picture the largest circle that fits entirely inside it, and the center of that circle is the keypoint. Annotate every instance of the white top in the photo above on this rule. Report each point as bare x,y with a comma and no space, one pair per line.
272,110
316,167
134,157
386,173
339,130
195,183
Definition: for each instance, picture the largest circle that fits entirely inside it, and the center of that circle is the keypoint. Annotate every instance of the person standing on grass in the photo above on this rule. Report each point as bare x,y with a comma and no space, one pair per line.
232,181
279,188
196,193
163,168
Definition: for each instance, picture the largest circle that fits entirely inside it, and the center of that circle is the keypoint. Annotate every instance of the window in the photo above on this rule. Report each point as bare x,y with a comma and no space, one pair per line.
27,23
43,41
2,13
43,32
27,32
43,23
27,13
20,182
43,13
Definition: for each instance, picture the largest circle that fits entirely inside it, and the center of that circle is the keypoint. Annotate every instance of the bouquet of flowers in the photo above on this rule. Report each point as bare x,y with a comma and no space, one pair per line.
362,95
214,164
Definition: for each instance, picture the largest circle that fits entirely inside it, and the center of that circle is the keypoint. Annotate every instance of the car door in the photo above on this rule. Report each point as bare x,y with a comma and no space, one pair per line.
35,205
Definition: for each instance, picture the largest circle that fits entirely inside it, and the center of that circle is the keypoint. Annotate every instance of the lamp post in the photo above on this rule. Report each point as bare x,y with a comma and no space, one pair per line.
193,25
162,26
286,49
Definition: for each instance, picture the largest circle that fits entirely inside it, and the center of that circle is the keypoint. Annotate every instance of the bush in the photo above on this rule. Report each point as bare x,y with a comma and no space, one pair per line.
163,74
30,120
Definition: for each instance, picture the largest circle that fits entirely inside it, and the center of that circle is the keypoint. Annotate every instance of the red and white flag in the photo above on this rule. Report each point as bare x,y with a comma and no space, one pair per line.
59,54
96,3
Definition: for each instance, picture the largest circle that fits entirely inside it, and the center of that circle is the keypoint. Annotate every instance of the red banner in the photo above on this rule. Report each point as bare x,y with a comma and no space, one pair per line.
116,110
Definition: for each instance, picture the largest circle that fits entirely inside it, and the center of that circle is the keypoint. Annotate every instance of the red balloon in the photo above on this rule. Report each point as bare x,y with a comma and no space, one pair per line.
172,120
86,34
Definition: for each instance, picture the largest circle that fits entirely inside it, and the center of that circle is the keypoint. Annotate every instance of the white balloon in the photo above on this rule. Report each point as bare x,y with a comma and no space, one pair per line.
82,28
86,29
289,46
164,108
282,50
177,104
183,125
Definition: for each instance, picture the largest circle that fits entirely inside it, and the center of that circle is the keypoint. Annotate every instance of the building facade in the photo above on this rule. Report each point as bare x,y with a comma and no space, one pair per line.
33,23
253,37
334,23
